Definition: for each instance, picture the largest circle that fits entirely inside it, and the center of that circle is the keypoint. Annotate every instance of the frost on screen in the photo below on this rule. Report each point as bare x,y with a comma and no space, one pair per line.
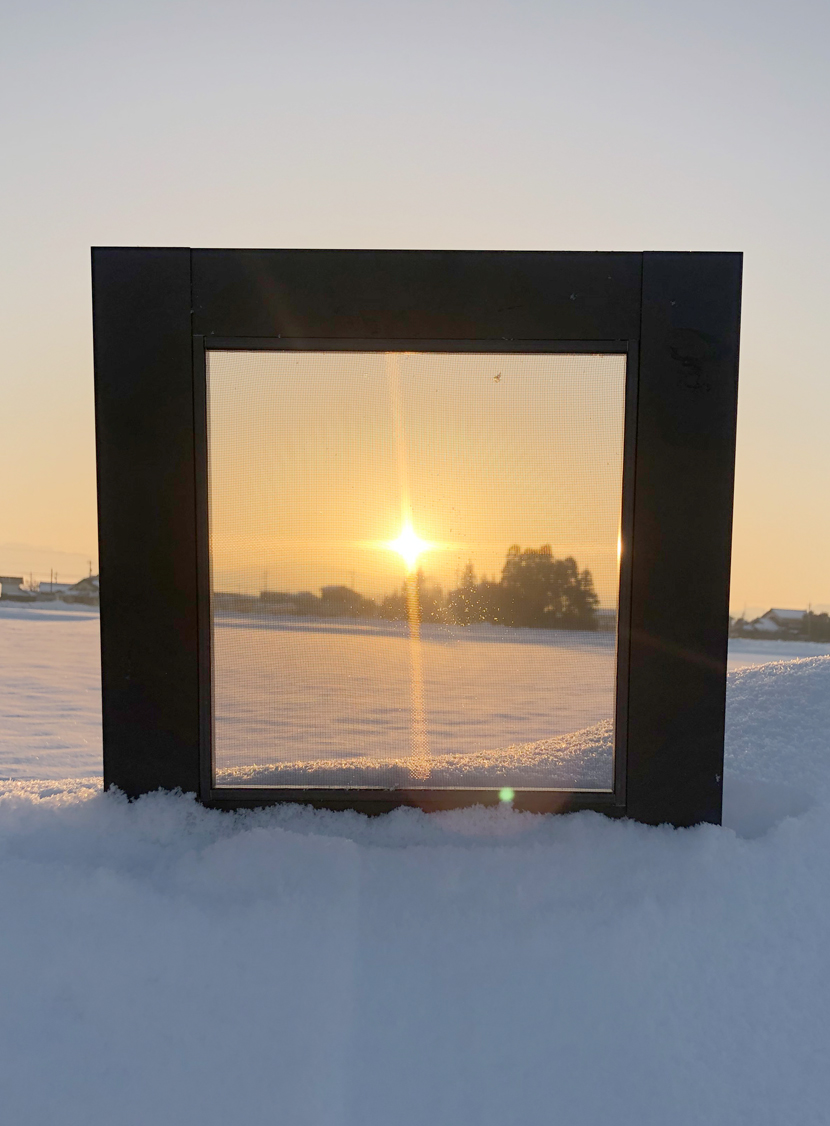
415,568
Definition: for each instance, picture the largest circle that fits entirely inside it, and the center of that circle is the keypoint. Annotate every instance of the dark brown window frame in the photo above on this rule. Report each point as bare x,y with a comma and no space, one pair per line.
675,315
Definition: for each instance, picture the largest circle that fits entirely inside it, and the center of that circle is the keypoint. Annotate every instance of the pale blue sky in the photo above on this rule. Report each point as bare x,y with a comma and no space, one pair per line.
457,124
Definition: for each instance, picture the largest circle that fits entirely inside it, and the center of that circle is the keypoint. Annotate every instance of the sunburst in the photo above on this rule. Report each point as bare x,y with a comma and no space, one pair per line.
409,546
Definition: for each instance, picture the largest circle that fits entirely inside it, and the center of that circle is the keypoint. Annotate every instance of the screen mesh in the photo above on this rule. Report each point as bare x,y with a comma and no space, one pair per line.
414,565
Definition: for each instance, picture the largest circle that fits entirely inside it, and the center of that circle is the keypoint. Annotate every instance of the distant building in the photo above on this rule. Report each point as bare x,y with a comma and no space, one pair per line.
284,602
86,591
343,602
229,602
784,621
333,602
11,589
279,601
776,623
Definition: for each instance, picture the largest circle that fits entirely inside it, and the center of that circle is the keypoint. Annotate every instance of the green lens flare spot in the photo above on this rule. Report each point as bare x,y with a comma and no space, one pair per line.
506,794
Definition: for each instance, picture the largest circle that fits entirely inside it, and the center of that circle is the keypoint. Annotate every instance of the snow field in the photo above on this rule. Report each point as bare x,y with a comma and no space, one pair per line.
50,707
50,693
166,964
334,699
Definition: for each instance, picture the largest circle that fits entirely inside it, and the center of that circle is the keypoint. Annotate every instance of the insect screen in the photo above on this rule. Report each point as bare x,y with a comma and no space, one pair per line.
415,568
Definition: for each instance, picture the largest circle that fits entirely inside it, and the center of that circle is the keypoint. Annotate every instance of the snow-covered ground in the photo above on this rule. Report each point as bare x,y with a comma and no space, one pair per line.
503,683
323,703
50,692
744,651
165,964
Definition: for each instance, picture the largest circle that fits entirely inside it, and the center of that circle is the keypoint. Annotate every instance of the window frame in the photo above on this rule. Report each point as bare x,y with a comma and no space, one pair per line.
674,315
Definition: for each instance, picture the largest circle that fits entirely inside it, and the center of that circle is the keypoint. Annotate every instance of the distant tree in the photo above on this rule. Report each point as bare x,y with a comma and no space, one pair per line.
468,577
393,606
541,590
536,589
431,602
471,601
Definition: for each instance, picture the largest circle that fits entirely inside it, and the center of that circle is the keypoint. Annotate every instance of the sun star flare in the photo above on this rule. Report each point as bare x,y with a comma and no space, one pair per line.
409,546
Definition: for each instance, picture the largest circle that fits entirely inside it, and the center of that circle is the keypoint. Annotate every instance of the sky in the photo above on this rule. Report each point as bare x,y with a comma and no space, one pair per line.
459,124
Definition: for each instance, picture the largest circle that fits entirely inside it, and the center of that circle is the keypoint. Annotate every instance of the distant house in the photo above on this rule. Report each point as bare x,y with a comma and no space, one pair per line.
776,623
786,621
11,589
343,602
279,601
333,602
284,602
86,591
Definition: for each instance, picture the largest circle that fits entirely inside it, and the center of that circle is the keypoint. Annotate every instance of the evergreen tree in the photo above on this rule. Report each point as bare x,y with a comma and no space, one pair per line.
541,590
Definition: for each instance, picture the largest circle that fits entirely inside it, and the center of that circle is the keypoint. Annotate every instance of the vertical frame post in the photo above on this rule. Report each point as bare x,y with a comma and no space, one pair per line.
684,478
147,518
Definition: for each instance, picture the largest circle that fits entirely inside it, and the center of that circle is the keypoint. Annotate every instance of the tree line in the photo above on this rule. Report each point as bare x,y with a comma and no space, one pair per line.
536,589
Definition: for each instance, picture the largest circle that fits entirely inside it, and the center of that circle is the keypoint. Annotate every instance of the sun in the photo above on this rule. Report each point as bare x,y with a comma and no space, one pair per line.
409,546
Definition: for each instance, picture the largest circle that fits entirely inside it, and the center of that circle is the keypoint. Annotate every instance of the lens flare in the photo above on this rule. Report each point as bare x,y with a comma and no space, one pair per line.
409,546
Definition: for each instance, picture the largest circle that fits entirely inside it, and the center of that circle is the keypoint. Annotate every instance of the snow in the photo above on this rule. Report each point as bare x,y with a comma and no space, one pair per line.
50,713
580,760
50,692
744,651
162,963
500,704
